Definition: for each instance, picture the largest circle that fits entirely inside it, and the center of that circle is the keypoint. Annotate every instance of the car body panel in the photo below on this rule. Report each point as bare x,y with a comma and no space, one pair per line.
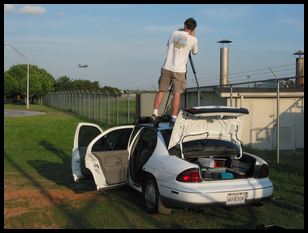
224,124
217,191
81,140
109,168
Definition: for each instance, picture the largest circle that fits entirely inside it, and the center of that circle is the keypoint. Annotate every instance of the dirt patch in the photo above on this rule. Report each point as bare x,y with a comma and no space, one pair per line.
12,212
21,201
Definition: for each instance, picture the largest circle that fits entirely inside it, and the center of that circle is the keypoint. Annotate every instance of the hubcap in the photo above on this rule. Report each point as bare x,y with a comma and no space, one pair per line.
150,194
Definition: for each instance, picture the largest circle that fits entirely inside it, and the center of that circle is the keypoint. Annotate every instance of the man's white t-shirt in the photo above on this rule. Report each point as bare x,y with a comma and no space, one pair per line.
179,45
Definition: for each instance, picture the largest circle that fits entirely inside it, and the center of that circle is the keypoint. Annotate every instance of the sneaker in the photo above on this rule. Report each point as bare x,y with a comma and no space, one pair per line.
154,117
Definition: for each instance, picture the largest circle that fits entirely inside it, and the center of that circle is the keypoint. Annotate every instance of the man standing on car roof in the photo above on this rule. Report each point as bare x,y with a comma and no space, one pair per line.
180,44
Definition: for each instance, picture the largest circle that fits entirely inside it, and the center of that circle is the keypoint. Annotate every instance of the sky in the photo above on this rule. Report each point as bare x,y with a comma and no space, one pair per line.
124,45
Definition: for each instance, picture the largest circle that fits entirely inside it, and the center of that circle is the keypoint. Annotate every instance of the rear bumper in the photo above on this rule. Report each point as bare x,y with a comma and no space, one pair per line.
171,203
214,195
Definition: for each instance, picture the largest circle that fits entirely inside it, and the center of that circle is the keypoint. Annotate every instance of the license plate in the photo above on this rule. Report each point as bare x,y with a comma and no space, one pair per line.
236,198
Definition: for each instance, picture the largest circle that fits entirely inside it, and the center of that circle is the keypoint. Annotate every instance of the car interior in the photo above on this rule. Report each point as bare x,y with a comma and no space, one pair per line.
141,152
112,154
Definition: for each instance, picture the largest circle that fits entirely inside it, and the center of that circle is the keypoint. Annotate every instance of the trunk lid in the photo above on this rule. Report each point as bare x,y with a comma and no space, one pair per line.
208,122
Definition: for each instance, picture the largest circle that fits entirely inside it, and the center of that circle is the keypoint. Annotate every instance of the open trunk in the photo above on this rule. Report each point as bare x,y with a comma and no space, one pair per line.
210,136
217,159
225,167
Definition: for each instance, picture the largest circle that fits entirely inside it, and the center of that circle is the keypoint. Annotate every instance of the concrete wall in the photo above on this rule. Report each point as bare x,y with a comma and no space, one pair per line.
145,104
209,98
260,125
260,130
145,101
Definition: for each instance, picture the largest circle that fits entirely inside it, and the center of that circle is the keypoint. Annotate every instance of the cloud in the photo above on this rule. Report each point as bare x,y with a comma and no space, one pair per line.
9,7
35,10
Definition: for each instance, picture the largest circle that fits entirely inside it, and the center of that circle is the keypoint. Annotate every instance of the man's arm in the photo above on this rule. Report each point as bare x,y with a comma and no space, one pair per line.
195,48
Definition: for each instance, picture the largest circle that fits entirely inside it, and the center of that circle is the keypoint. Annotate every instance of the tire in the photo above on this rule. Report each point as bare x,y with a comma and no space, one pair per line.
150,194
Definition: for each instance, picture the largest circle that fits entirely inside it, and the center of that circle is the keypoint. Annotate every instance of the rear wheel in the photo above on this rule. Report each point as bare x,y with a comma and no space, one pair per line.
151,197
150,194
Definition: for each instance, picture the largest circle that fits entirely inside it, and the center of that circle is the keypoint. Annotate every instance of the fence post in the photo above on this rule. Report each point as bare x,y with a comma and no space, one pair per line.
93,105
117,109
231,96
99,106
127,107
72,101
277,120
108,109
89,105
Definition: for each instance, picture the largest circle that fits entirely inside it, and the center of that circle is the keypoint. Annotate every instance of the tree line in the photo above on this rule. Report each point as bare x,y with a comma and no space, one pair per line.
41,83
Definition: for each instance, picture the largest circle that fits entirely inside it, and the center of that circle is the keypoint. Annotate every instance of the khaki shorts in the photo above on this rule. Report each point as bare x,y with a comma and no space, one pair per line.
167,77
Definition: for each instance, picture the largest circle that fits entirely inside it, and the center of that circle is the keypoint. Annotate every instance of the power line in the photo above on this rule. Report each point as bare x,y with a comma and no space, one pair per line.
254,75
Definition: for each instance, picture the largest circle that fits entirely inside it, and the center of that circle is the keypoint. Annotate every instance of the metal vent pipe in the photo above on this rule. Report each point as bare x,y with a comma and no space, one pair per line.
224,62
299,68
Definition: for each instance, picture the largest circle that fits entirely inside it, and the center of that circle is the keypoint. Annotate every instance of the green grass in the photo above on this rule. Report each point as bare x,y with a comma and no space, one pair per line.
37,157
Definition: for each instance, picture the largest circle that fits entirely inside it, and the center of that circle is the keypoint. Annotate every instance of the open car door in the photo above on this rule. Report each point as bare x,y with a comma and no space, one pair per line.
84,134
107,157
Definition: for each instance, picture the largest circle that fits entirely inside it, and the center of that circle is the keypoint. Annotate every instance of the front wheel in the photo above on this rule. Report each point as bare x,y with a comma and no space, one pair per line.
150,194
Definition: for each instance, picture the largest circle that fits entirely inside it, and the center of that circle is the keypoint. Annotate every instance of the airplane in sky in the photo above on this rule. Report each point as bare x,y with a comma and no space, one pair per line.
82,66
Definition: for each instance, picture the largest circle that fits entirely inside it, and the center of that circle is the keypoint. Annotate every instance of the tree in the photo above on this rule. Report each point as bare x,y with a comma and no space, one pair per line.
85,84
63,83
10,85
40,81
19,72
111,90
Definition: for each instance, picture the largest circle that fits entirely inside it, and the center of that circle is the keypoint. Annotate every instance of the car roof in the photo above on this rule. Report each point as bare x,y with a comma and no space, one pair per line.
161,123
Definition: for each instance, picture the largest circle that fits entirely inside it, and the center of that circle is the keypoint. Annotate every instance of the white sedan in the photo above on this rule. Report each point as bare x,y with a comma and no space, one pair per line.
198,161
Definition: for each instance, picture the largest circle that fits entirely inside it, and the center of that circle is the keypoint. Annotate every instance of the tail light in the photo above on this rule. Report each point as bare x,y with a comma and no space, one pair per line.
190,175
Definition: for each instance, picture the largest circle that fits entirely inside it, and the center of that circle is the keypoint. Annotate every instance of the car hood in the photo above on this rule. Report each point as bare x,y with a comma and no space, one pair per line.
208,122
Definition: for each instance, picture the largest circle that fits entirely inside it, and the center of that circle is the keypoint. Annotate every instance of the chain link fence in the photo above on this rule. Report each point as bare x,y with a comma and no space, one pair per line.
111,109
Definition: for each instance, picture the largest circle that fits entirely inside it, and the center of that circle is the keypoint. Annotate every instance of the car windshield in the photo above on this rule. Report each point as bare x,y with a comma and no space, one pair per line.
208,147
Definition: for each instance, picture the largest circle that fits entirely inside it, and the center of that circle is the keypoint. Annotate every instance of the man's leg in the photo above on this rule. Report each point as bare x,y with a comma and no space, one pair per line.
164,83
176,103
179,87
158,100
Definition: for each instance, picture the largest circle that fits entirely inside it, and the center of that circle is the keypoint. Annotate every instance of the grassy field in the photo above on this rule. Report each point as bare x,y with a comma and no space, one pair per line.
39,191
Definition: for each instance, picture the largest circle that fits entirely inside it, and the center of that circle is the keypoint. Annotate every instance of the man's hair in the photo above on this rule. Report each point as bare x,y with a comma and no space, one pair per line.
190,23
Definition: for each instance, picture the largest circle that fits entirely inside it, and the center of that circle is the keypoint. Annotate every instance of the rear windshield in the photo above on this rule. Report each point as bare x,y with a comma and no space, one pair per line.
207,147
166,133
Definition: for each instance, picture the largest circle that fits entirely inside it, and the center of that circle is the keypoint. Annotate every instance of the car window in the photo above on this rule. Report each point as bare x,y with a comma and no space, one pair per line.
133,134
87,134
114,140
142,150
166,133
208,146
